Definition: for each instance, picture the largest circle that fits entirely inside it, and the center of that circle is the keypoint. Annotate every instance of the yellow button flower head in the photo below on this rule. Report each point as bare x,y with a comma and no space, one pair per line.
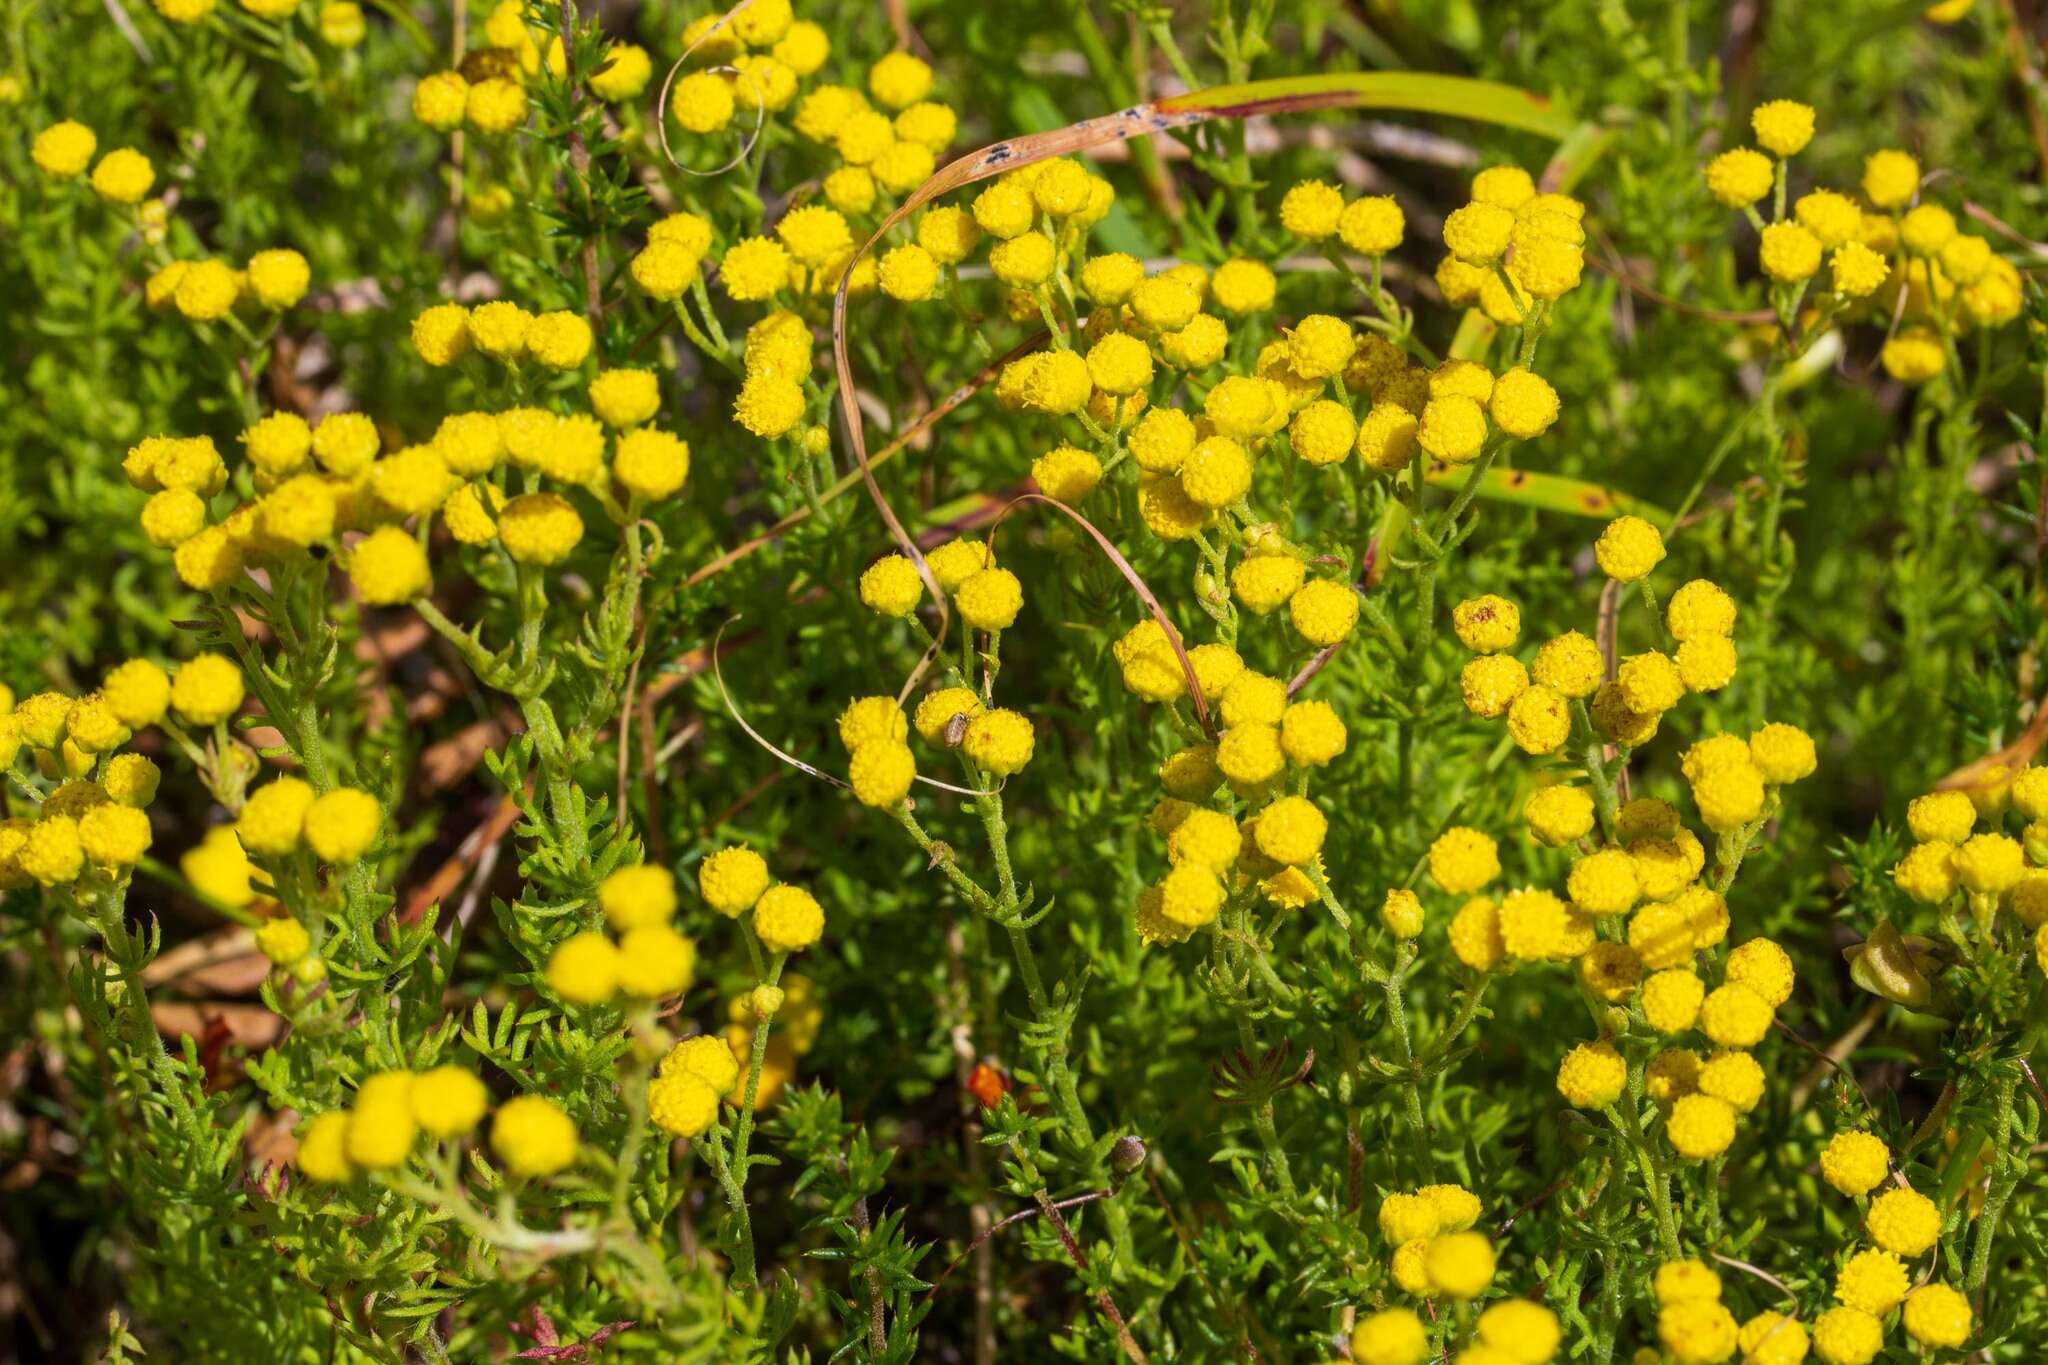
1475,935
1990,864
123,176
1407,1218
999,742
1462,860
1687,1282
1697,1332
1320,346
1783,127
642,895
990,600
1520,1331
388,567
1056,383
496,105
1856,271
500,329
172,517
1460,1264
440,100
1312,209
1740,177
1323,432
1604,883
1937,1316
899,80
114,835
1539,720
1401,913
927,124
441,334
732,879
788,919
881,772
891,586
1119,363
274,819
1847,1336
624,398
343,824
1393,1337
1240,286
1914,355
1487,624
323,1150
447,1101
533,1137
1832,218
1453,429
1872,1280
1323,612
560,339
655,962
1926,229
278,277
283,940
1611,971
1523,404
1671,1000
663,270
909,274
1765,968
1478,233
63,150
584,969
137,693
1592,1076
1628,548
1702,1126
1559,815
1291,830
702,102
412,482
1789,253
681,1104
539,528
1772,1338
1373,225
207,689
651,463
1736,1016
1890,178
206,291
1855,1162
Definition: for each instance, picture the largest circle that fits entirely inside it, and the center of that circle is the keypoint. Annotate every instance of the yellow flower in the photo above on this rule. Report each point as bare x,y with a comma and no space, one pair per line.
533,1137
1784,127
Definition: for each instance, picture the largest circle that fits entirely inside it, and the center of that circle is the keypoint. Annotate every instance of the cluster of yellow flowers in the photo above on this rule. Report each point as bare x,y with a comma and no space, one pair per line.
1567,671
1893,260
313,483
1993,870
1436,1255
649,961
206,290
1698,1329
530,1134
91,824
1267,832
340,22
487,90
